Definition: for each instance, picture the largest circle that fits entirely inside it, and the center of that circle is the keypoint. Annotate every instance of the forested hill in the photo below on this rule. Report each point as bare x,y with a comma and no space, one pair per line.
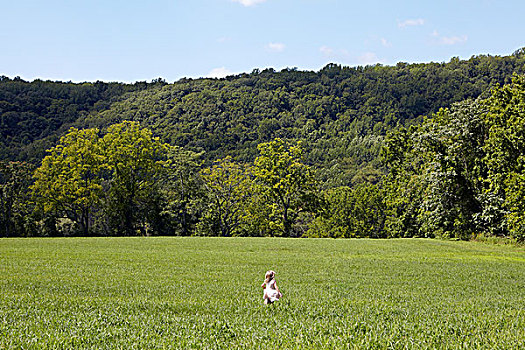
341,113
32,111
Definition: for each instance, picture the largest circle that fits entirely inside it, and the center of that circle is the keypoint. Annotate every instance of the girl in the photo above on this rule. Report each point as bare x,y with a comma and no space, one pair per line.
271,291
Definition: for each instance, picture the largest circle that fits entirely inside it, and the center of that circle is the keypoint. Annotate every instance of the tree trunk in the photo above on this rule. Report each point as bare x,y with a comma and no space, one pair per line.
85,222
128,219
286,224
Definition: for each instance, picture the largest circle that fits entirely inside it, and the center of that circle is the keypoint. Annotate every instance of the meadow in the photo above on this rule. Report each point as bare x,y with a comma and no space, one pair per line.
132,293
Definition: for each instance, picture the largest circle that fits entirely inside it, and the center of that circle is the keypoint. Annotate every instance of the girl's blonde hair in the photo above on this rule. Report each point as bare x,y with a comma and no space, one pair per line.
270,275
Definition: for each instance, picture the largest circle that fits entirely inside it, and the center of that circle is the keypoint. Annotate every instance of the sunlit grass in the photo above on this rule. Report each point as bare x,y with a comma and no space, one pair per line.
205,293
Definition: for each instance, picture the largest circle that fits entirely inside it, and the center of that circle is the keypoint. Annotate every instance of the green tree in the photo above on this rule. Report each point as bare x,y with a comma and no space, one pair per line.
435,183
351,212
403,185
451,145
135,160
230,187
68,184
15,178
505,148
182,191
285,183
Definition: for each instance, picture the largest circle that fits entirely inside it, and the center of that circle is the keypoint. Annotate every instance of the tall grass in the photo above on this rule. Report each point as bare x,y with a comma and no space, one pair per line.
205,293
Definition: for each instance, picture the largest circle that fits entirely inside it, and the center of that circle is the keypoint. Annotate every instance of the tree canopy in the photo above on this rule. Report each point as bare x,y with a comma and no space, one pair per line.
413,150
341,114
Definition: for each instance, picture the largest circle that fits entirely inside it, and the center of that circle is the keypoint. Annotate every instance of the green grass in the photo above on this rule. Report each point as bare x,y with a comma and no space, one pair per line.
205,293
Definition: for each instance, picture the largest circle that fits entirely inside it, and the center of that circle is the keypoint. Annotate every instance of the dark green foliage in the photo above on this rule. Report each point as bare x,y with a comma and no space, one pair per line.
505,149
436,175
182,192
15,209
460,173
352,212
454,171
33,115
403,184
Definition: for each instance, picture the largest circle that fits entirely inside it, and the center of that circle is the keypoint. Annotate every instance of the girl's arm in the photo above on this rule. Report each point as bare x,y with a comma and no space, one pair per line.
263,285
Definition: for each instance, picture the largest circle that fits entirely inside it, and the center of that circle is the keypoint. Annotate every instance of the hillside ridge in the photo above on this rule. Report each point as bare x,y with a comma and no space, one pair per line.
341,113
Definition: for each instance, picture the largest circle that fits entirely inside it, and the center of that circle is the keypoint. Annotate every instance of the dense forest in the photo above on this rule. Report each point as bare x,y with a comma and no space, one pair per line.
33,111
376,151
341,113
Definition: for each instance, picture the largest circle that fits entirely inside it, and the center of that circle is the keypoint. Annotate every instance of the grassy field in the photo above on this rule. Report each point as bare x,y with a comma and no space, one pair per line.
205,293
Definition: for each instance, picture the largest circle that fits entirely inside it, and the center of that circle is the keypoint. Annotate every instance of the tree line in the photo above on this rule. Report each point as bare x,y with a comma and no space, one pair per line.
341,114
461,172
33,115
371,163
125,181
458,174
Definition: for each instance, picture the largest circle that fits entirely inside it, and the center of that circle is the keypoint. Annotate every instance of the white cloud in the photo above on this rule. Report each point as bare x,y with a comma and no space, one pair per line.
411,23
449,40
453,40
343,56
368,58
249,2
276,47
385,42
326,50
337,54
223,39
220,72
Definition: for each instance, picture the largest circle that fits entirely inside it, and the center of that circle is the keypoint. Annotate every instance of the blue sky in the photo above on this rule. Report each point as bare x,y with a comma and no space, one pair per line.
128,40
